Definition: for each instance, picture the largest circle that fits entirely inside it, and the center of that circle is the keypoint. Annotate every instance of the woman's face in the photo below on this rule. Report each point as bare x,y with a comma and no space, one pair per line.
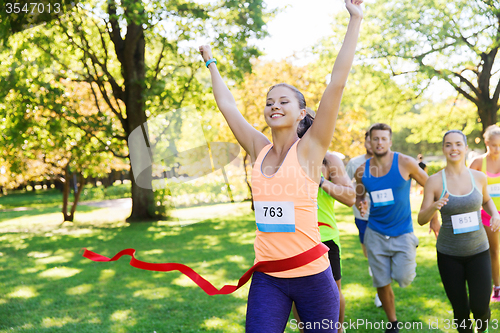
454,147
282,109
493,145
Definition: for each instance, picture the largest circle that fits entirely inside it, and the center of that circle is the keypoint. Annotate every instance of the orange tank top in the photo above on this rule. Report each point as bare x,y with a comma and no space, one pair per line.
286,214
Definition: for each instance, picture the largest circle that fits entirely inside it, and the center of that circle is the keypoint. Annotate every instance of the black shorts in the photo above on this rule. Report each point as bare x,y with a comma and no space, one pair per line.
334,255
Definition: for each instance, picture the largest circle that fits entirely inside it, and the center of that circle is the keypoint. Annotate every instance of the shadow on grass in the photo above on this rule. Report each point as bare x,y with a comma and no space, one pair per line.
45,276
416,304
47,286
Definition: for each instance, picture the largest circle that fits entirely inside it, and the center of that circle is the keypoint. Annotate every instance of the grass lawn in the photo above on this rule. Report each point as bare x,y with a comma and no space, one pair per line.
47,286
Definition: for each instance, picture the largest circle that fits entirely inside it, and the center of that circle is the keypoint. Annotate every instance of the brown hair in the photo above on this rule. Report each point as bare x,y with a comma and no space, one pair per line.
298,94
458,132
380,127
306,122
304,125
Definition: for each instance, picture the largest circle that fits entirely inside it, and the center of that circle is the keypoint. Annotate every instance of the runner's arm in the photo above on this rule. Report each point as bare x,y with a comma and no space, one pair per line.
415,171
337,183
429,205
421,177
319,136
248,137
477,163
361,203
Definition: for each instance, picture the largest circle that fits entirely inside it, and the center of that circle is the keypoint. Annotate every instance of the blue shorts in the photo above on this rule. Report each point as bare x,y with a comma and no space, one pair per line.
270,301
361,224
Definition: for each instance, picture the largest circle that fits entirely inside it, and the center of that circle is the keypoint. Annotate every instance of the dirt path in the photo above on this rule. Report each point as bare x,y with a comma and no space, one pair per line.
112,203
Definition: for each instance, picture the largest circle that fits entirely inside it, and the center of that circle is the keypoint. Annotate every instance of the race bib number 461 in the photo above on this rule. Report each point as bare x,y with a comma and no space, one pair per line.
275,216
382,197
463,223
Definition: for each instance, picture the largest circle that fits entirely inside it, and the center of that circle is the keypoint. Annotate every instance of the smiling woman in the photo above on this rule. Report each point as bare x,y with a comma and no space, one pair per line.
285,180
462,246
288,243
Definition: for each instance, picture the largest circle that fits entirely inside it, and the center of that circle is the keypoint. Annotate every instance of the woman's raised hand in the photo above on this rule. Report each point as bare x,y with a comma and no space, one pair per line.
354,7
206,52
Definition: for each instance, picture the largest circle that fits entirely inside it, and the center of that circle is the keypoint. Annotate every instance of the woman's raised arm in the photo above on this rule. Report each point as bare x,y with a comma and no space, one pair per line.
248,137
321,131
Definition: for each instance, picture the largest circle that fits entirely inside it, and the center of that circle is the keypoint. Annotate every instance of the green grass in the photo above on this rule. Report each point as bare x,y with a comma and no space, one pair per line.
31,199
47,286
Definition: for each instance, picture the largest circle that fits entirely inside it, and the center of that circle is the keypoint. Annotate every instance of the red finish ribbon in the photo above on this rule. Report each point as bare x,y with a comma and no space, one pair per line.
262,266
324,224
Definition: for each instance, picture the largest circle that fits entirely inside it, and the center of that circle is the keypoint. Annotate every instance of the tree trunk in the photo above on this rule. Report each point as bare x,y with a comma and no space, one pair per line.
246,178
143,208
66,190
134,71
130,52
487,106
488,114
79,186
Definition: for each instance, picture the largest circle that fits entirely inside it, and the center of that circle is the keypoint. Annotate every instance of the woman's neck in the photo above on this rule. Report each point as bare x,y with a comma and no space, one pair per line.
283,140
492,158
455,168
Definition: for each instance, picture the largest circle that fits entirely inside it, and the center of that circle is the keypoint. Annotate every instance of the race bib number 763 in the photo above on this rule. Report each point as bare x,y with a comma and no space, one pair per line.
275,216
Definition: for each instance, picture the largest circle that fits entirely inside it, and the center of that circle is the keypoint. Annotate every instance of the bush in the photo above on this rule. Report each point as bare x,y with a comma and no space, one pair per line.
208,189
435,166
91,193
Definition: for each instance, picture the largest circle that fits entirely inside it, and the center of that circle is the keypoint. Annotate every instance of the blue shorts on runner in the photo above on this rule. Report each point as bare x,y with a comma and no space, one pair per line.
361,224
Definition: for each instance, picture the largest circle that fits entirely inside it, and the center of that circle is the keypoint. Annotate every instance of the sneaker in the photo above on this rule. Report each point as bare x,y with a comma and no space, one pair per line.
495,297
394,327
378,302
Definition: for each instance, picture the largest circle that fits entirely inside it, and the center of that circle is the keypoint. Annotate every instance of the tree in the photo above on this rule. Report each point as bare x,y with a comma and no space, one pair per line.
371,94
134,56
455,41
52,130
310,80
425,125
17,16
